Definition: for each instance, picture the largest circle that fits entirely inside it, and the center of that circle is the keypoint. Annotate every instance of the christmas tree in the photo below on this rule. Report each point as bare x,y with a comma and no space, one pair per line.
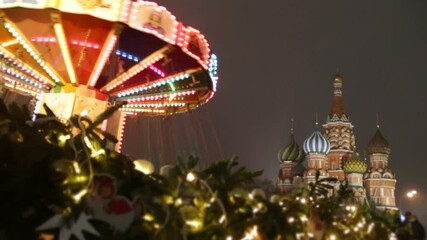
59,180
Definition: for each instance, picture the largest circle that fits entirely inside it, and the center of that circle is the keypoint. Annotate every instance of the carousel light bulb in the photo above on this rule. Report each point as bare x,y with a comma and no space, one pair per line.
106,50
63,45
144,166
84,112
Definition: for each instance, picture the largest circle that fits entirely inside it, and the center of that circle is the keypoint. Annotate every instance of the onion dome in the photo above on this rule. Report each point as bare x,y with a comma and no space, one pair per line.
378,144
355,164
316,143
291,152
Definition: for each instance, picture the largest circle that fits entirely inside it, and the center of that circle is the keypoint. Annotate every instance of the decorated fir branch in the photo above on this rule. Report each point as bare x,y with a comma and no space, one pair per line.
59,181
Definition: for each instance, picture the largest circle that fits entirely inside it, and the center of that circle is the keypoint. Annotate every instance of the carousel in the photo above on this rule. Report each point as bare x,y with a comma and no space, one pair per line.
79,57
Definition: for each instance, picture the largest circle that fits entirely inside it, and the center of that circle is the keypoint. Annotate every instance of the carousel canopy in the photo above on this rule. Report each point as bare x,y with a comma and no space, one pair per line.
134,51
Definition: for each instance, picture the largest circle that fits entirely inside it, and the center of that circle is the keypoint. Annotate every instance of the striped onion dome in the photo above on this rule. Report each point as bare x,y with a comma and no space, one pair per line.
316,143
291,152
355,164
378,144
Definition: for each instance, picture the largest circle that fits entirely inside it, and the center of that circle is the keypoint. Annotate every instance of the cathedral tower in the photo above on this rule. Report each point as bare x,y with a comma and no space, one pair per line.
354,170
380,181
316,147
291,168
339,132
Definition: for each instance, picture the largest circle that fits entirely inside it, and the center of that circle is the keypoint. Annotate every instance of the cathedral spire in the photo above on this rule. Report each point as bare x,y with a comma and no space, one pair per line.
378,122
338,109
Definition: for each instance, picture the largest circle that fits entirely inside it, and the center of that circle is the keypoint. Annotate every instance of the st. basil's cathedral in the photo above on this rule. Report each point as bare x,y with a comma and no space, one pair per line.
331,151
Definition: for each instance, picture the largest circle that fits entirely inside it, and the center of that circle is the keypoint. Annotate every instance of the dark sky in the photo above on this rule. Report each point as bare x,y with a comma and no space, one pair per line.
277,58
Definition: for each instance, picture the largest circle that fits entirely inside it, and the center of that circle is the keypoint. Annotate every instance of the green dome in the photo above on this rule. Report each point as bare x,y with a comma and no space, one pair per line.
355,164
291,152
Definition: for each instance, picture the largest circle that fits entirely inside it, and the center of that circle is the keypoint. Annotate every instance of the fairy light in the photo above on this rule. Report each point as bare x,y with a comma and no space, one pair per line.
121,131
98,153
155,105
84,112
148,217
137,59
17,84
30,78
37,106
88,142
213,73
222,219
76,166
204,47
72,42
106,50
196,224
31,50
43,39
64,138
21,77
77,197
251,234
160,82
181,33
370,227
153,58
124,12
127,56
304,218
157,70
85,44
135,23
144,166
291,219
178,201
190,177
9,43
160,96
26,68
143,110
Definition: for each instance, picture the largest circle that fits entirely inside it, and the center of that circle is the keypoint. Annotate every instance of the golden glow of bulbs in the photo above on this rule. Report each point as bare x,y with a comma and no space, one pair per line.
63,45
144,166
77,197
191,177
252,234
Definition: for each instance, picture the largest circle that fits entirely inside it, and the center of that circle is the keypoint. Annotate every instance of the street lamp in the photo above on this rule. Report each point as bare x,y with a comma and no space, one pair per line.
409,194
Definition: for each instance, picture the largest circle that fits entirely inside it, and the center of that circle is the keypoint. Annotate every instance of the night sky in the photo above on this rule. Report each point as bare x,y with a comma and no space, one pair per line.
277,59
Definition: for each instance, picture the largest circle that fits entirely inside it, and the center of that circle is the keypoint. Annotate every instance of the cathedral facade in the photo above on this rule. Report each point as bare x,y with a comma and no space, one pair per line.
331,151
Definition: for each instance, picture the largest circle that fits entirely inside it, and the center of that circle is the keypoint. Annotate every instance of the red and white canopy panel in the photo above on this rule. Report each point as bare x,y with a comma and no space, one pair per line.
119,50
